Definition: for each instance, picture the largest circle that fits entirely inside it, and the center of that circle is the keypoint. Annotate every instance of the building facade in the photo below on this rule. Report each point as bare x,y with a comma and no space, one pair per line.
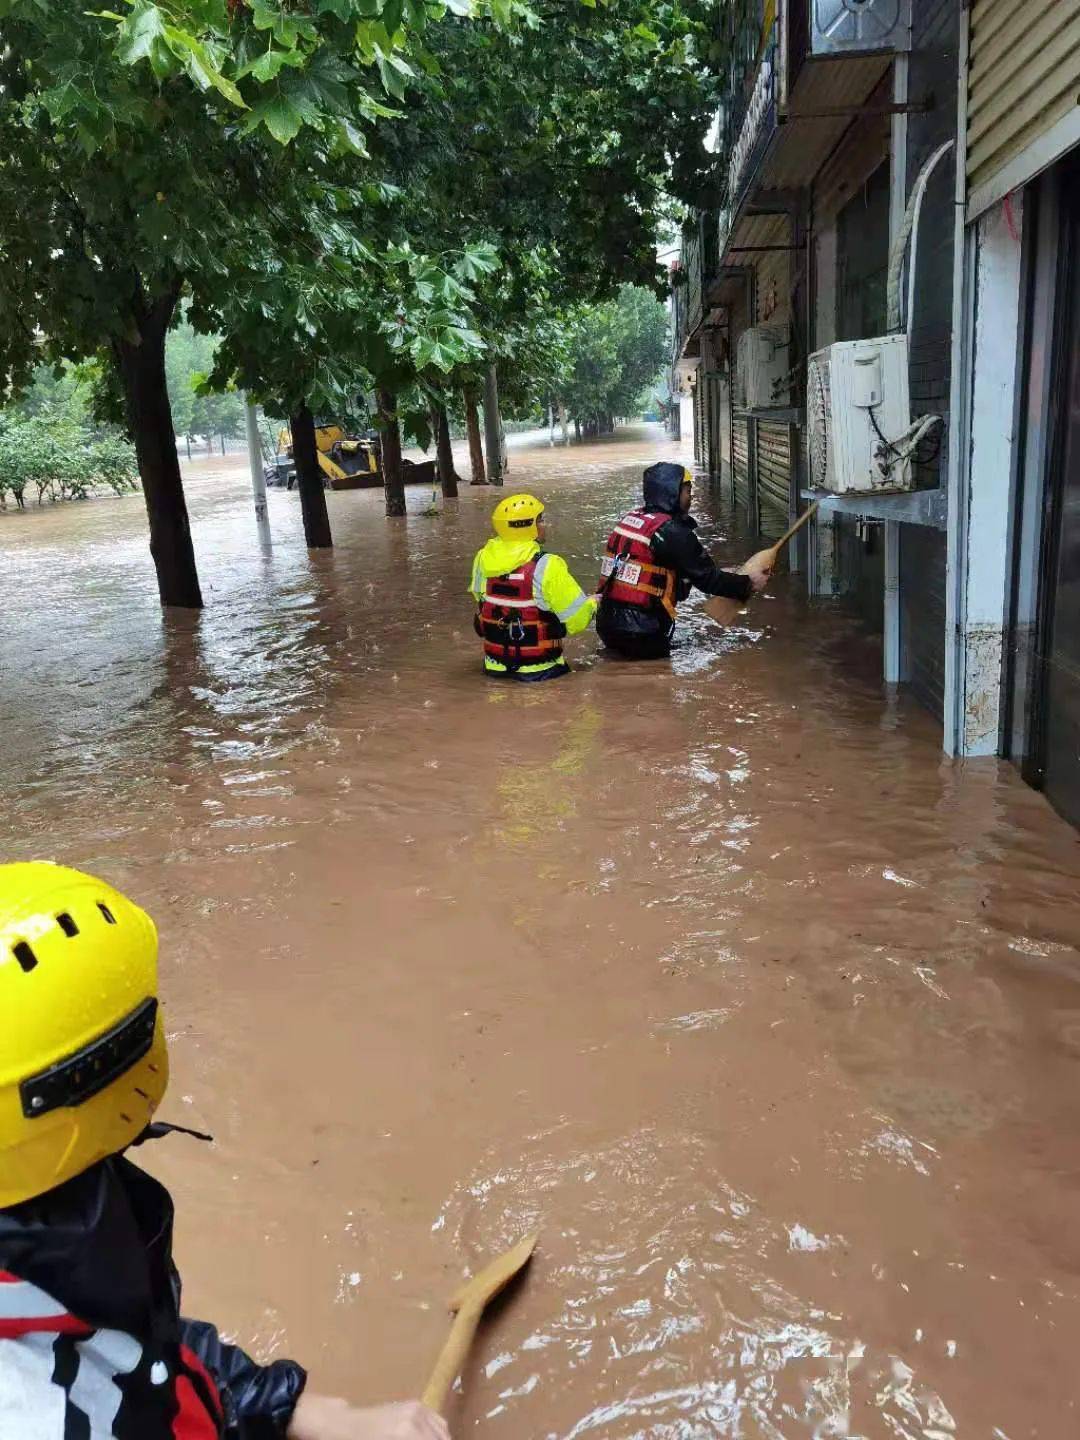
909,167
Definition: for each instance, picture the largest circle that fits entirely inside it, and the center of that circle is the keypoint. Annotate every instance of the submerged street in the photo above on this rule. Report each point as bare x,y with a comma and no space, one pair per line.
714,970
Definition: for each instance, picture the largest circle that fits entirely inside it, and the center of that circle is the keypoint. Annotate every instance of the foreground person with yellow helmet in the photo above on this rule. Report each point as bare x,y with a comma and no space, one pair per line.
527,601
91,1340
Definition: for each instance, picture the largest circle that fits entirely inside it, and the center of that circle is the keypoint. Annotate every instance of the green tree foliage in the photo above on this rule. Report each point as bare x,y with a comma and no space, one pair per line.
322,181
555,142
51,455
555,139
65,391
616,349
141,155
189,360
260,66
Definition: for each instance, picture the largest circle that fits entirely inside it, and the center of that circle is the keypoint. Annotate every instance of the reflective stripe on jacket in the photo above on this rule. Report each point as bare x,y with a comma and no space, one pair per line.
516,627
61,1379
525,599
92,1344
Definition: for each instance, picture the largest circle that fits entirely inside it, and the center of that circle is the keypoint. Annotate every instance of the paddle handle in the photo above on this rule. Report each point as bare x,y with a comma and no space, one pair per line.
803,518
452,1358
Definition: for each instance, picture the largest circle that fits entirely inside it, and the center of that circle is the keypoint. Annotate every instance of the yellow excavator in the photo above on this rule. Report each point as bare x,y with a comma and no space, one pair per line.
347,462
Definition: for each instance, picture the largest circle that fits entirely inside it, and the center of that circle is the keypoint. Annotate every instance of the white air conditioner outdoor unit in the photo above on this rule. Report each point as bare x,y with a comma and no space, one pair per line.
860,437
763,368
846,27
683,375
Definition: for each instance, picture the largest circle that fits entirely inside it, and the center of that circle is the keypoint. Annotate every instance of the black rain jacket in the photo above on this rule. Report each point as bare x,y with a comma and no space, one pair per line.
675,545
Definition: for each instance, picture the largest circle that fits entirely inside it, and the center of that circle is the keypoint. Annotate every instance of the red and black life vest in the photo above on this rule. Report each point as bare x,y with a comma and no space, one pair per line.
628,574
516,630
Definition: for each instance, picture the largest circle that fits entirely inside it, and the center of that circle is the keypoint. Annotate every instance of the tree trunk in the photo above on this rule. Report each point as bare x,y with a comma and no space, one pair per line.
562,422
493,427
476,447
444,453
142,375
577,428
393,476
309,481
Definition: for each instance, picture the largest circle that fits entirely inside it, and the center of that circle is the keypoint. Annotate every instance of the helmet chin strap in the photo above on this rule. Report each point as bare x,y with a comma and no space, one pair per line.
158,1129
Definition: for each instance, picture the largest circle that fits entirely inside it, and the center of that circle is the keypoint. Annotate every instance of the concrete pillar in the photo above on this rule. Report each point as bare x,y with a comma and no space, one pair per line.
823,562
258,478
823,558
985,392
892,638
686,415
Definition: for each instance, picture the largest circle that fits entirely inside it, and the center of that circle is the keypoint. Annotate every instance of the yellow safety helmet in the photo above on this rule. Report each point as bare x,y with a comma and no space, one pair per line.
83,1064
515,517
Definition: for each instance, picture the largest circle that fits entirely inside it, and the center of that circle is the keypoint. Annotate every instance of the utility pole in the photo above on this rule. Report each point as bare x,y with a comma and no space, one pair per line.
493,427
258,479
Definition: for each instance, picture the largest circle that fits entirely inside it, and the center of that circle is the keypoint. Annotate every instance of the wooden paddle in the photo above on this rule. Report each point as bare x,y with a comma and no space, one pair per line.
467,1306
724,610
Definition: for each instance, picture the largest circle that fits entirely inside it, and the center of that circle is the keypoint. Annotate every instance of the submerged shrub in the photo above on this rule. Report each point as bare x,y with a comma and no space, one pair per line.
55,457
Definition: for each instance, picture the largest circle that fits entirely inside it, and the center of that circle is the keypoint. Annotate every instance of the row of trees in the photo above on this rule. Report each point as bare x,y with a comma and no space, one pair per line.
75,393
379,198
197,410
617,349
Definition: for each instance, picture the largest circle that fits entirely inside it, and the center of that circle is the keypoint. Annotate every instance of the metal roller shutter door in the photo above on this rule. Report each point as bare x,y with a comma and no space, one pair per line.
740,463
922,588
1023,78
774,477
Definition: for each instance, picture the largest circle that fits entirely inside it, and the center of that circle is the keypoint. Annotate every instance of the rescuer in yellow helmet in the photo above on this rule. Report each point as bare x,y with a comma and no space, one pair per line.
91,1339
527,601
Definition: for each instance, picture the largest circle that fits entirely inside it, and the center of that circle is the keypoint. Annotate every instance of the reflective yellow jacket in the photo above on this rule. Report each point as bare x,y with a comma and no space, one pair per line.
562,595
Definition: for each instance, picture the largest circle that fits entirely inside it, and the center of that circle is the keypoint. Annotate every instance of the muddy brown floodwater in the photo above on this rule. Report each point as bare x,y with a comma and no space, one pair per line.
715,970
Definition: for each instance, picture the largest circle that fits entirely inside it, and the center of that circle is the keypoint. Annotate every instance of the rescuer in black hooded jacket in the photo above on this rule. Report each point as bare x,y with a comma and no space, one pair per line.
653,560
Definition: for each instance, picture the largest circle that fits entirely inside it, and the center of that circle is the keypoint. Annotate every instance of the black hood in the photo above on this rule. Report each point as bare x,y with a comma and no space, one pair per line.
663,482
101,1244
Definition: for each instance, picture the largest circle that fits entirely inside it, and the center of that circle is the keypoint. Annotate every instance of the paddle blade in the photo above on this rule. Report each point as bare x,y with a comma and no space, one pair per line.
765,558
482,1289
723,610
